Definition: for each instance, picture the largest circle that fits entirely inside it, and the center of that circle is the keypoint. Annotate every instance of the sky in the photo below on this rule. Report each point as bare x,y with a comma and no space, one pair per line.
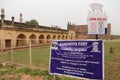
59,12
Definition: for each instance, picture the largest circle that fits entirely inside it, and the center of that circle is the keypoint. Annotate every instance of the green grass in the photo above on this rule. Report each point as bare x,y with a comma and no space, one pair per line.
40,58
112,61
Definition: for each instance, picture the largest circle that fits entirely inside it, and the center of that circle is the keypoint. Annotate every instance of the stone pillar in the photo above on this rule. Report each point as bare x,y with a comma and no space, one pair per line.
2,44
37,40
21,19
2,19
12,20
2,16
44,41
28,41
13,43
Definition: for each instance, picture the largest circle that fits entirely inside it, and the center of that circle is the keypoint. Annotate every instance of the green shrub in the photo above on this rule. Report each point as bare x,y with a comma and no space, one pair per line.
47,75
36,73
1,65
24,70
111,50
10,66
1,72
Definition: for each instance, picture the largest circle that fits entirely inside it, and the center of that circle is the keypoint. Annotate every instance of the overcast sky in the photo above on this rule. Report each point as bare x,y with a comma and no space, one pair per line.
59,12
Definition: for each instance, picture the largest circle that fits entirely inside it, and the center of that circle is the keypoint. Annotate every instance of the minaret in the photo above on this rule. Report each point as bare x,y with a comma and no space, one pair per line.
12,20
2,15
20,19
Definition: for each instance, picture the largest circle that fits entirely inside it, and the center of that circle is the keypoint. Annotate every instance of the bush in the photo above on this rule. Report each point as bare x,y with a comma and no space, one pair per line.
36,73
10,66
1,72
111,50
24,70
1,65
47,75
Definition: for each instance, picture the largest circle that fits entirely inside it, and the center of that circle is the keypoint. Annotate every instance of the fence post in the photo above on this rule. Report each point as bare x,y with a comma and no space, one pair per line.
0,45
12,54
30,55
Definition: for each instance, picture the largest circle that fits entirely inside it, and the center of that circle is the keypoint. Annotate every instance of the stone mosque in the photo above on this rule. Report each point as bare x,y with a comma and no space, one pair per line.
18,34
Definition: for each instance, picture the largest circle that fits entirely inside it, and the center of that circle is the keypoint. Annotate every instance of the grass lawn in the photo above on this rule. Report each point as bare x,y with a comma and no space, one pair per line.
40,58
112,60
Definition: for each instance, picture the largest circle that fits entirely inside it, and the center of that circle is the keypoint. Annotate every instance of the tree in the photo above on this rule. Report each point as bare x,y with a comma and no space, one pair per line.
32,22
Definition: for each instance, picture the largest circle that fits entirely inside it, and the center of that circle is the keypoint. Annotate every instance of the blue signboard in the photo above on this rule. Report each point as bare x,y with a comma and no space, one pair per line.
82,59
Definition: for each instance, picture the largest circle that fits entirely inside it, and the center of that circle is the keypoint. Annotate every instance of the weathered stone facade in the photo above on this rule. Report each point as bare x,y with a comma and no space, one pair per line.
15,34
81,32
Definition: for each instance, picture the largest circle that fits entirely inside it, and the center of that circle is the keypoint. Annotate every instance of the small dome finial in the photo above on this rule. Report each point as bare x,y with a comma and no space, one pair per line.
96,6
20,14
20,19
2,11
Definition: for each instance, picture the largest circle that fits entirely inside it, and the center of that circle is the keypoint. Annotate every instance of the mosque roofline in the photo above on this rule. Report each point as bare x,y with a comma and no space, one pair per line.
24,25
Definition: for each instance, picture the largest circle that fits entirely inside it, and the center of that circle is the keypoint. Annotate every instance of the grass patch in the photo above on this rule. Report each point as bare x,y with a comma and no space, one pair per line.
112,60
40,58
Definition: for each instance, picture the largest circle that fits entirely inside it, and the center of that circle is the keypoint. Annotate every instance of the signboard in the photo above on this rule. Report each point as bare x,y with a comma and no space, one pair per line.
92,28
82,59
97,20
96,26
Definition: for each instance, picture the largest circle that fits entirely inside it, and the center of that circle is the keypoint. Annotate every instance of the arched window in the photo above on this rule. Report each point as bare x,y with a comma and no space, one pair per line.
41,39
59,37
63,37
21,40
48,39
54,37
33,39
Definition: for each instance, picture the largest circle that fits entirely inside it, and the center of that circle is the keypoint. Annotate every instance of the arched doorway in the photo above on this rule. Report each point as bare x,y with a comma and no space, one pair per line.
21,40
63,37
59,37
72,37
48,39
41,39
66,37
33,39
54,37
